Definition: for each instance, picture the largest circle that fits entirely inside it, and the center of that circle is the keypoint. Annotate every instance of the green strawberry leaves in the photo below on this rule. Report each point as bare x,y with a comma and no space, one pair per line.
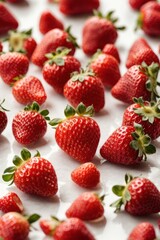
81,76
33,218
35,107
57,56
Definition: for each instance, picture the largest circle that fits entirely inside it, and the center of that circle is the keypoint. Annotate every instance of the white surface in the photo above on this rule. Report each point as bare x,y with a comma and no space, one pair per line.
115,226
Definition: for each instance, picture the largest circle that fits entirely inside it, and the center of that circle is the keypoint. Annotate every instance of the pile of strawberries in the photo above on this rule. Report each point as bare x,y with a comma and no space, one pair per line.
78,135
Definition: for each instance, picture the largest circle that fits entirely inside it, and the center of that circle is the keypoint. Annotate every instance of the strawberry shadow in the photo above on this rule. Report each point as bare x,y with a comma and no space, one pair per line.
100,225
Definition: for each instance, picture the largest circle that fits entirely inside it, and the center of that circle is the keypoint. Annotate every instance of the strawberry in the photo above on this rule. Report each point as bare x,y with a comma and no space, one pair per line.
69,229
1,47
145,113
151,5
3,117
127,145
7,20
14,226
59,67
111,49
99,30
87,88
137,4
33,175
140,196
143,231
48,22
139,80
78,136
51,41
106,68
86,175
11,203
13,65
29,125
71,7
28,89
88,206
140,52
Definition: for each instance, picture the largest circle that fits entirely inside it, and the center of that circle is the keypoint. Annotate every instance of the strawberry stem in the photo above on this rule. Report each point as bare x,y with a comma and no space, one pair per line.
72,38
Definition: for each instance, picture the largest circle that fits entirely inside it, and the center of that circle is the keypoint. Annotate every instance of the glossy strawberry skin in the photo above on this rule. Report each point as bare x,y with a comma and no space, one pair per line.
131,84
111,49
107,69
14,226
29,46
86,175
72,229
57,76
1,47
12,65
11,203
151,5
143,231
29,89
3,121
137,4
86,207
46,226
96,33
78,137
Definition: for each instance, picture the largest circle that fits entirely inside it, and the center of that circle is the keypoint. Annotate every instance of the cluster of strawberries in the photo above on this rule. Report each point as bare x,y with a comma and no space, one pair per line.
78,134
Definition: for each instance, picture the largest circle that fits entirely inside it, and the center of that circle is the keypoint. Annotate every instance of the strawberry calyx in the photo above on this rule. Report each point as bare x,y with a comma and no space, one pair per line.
71,38
95,56
81,76
101,197
32,218
139,22
35,107
57,56
2,108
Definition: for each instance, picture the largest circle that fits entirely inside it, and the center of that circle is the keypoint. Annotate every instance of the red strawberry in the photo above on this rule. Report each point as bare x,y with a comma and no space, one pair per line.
1,47
86,175
88,206
51,41
48,22
29,125
140,196
87,88
127,145
14,1
139,80
145,113
151,5
137,4
28,89
7,20
3,117
140,52
78,136
111,49
59,67
13,65
106,68
71,7
14,226
33,175
99,30
143,231
11,203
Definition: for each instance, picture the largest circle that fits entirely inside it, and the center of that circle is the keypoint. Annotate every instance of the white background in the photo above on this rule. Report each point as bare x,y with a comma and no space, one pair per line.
114,226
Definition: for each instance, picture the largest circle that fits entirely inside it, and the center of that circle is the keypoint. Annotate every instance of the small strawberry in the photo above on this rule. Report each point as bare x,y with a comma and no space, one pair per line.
1,47
13,65
11,203
7,20
88,206
86,175
137,4
3,117
78,136
127,145
14,226
140,196
145,113
29,89
71,7
140,52
111,49
58,68
85,87
33,175
48,22
51,41
139,80
98,31
143,231
29,125
106,68
70,229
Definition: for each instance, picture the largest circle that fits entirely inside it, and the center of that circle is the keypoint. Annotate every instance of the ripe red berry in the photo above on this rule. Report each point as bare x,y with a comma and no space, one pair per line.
143,231
11,203
3,117
111,49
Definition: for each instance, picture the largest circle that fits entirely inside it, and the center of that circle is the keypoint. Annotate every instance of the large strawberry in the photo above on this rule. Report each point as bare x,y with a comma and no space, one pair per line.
137,4
140,196
33,175
13,65
3,117
11,203
78,136
127,145
58,68
112,50
99,30
29,125
139,80
143,231
51,41
140,52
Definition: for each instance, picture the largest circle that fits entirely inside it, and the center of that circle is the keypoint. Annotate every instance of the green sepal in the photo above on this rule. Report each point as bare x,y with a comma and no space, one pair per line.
118,190
81,76
139,22
17,160
117,204
69,111
57,56
33,218
1,106
126,196
35,107
10,169
8,177
37,154
45,114
71,38
150,149
95,56
25,154
128,178
55,121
